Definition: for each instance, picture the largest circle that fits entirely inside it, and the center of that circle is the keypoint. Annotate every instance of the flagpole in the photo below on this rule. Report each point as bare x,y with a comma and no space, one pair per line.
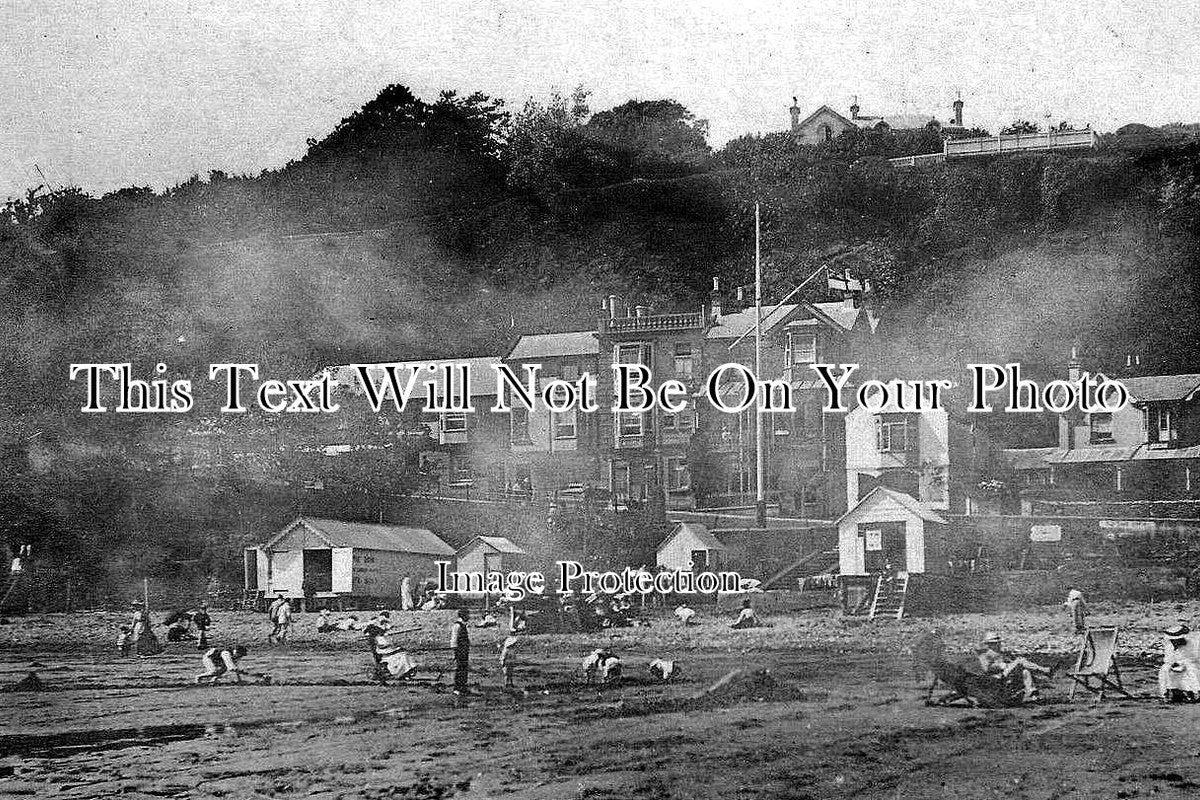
760,507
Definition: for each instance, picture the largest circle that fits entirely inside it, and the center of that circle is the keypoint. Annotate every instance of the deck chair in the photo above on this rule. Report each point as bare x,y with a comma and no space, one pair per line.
1096,667
970,688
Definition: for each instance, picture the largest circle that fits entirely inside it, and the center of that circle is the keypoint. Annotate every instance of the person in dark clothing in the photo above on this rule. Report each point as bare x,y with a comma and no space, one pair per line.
203,622
460,643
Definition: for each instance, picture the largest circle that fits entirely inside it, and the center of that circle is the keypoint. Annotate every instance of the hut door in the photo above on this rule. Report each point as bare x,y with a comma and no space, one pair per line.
883,545
318,570
251,569
699,561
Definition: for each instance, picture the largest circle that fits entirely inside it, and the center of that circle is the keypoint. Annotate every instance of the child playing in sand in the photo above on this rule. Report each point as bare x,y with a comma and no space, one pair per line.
124,640
218,661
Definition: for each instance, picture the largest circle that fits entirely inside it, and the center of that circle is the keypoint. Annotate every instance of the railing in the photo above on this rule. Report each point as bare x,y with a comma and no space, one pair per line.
1005,143
912,161
655,322
1020,143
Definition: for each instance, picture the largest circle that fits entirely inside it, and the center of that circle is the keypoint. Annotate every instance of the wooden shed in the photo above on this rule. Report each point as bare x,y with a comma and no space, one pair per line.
346,562
485,554
884,528
690,548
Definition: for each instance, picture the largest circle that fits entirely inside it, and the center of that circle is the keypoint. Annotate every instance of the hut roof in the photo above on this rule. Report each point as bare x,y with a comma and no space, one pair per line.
369,536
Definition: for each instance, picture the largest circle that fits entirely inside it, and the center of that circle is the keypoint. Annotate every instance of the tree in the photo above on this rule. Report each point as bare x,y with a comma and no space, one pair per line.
652,133
1020,126
543,144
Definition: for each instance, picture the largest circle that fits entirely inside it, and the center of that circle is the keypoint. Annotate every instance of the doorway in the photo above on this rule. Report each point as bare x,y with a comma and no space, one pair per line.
318,571
884,544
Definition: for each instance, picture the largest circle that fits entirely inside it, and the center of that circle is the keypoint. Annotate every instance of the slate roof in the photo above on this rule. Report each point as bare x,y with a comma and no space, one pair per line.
1156,388
546,345
368,536
907,501
699,531
500,544
740,323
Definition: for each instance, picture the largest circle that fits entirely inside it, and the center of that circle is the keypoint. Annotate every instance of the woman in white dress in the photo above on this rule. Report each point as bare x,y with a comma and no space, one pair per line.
1179,678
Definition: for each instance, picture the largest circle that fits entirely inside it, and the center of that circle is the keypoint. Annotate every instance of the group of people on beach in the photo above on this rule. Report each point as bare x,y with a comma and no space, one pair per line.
138,636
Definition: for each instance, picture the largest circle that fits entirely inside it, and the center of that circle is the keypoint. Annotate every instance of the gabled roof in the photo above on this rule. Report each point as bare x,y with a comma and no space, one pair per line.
839,314
368,536
483,375
1158,388
498,543
849,123
880,493
740,323
697,530
546,345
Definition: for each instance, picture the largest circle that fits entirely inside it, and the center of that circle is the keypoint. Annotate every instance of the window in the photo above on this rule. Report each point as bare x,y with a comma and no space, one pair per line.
802,348
454,421
519,424
684,361
564,424
628,354
891,434
460,470
620,480
1165,430
827,133
677,423
1101,428
1120,482
678,476
629,424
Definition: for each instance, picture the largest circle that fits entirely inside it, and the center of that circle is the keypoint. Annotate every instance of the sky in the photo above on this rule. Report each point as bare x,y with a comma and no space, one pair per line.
113,93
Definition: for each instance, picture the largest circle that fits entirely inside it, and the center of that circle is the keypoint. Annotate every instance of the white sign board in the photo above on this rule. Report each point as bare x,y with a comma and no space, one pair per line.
1045,533
1114,528
874,539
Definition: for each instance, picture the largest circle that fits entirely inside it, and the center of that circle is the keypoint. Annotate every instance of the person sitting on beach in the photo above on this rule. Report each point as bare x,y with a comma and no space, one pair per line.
179,626
1013,671
663,669
1179,677
218,661
746,618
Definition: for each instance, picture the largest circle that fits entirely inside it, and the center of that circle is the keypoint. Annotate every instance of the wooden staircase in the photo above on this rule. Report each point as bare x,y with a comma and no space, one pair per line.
889,597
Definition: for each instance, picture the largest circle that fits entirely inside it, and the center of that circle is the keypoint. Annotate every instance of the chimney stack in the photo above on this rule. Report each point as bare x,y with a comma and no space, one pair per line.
612,306
958,107
854,109
714,298
795,111
1074,368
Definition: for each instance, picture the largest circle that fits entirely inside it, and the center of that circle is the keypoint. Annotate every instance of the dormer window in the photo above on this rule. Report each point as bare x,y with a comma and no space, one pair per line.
1100,427
1164,425
801,348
